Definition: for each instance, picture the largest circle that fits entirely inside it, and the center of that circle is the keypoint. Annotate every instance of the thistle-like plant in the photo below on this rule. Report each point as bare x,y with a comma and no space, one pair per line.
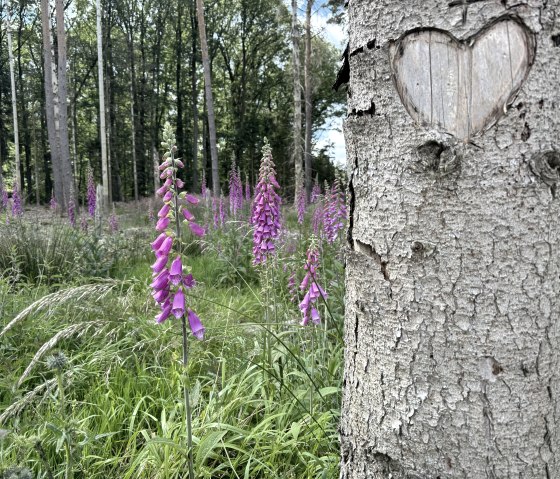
172,278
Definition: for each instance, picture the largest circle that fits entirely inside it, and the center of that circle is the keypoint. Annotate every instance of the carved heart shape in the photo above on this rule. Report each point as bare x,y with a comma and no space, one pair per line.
462,87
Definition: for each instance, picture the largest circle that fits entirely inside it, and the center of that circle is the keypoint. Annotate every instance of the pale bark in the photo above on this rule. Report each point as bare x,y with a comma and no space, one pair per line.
194,98
453,273
50,103
66,165
308,101
102,127
209,99
298,166
14,110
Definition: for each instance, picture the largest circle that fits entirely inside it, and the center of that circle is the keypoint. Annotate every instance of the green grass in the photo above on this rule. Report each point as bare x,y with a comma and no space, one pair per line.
258,412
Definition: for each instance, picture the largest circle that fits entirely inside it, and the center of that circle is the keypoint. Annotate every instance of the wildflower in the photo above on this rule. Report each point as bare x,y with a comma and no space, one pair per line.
72,211
292,286
17,209
196,326
4,200
300,201
57,361
334,212
247,189
316,191
318,217
83,224
222,211
170,283
113,222
235,189
310,283
266,209
91,195
53,203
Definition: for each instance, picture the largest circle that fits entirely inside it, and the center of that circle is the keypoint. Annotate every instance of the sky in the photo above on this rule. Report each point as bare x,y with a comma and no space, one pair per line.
335,34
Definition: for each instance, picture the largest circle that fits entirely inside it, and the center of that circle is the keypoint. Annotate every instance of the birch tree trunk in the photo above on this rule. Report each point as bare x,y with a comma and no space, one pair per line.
14,108
49,103
102,127
453,274
298,164
308,101
66,165
209,99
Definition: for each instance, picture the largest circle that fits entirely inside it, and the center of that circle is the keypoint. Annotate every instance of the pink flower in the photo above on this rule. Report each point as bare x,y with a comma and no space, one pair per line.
162,224
159,264
196,326
176,271
178,308
196,229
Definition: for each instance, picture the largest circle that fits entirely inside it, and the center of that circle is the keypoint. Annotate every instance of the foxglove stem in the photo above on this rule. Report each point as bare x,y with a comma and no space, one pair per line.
188,412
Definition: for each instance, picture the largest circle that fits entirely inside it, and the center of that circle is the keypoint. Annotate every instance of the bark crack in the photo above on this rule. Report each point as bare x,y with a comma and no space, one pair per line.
368,250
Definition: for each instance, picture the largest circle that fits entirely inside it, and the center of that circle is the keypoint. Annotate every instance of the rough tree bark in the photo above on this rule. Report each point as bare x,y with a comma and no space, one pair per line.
14,109
66,165
296,65
102,127
308,102
209,99
50,104
194,97
453,272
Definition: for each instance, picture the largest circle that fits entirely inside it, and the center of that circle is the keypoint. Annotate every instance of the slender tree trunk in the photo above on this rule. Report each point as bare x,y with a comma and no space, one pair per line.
180,130
49,104
68,178
209,99
452,307
130,36
102,127
23,106
308,102
298,164
194,97
14,109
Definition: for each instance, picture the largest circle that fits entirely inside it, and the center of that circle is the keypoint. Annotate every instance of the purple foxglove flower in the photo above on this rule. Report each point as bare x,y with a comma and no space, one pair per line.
166,311
179,183
113,223
159,264
215,213
193,200
187,214
179,164
247,190
315,291
266,210
176,271
162,191
83,224
196,326
222,212
164,210
165,164
301,205
72,212
158,242
168,196
17,209
178,308
4,200
162,224
160,295
165,247
161,281
189,282
91,194
316,191
196,229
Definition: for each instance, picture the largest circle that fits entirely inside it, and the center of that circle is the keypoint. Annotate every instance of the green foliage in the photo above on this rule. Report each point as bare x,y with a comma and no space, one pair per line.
261,409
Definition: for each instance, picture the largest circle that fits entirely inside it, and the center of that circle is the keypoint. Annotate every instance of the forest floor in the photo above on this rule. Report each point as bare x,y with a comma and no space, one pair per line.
265,391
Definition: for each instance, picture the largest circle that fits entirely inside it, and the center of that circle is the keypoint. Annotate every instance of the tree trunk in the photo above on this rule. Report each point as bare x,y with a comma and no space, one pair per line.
452,309
23,105
14,111
49,104
308,100
209,99
102,127
298,168
130,37
66,165
194,98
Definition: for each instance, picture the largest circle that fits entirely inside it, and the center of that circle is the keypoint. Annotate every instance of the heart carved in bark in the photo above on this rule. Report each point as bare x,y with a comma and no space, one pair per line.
462,86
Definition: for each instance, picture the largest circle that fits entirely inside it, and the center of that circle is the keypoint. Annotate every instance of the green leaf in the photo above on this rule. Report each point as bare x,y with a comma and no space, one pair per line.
207,445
